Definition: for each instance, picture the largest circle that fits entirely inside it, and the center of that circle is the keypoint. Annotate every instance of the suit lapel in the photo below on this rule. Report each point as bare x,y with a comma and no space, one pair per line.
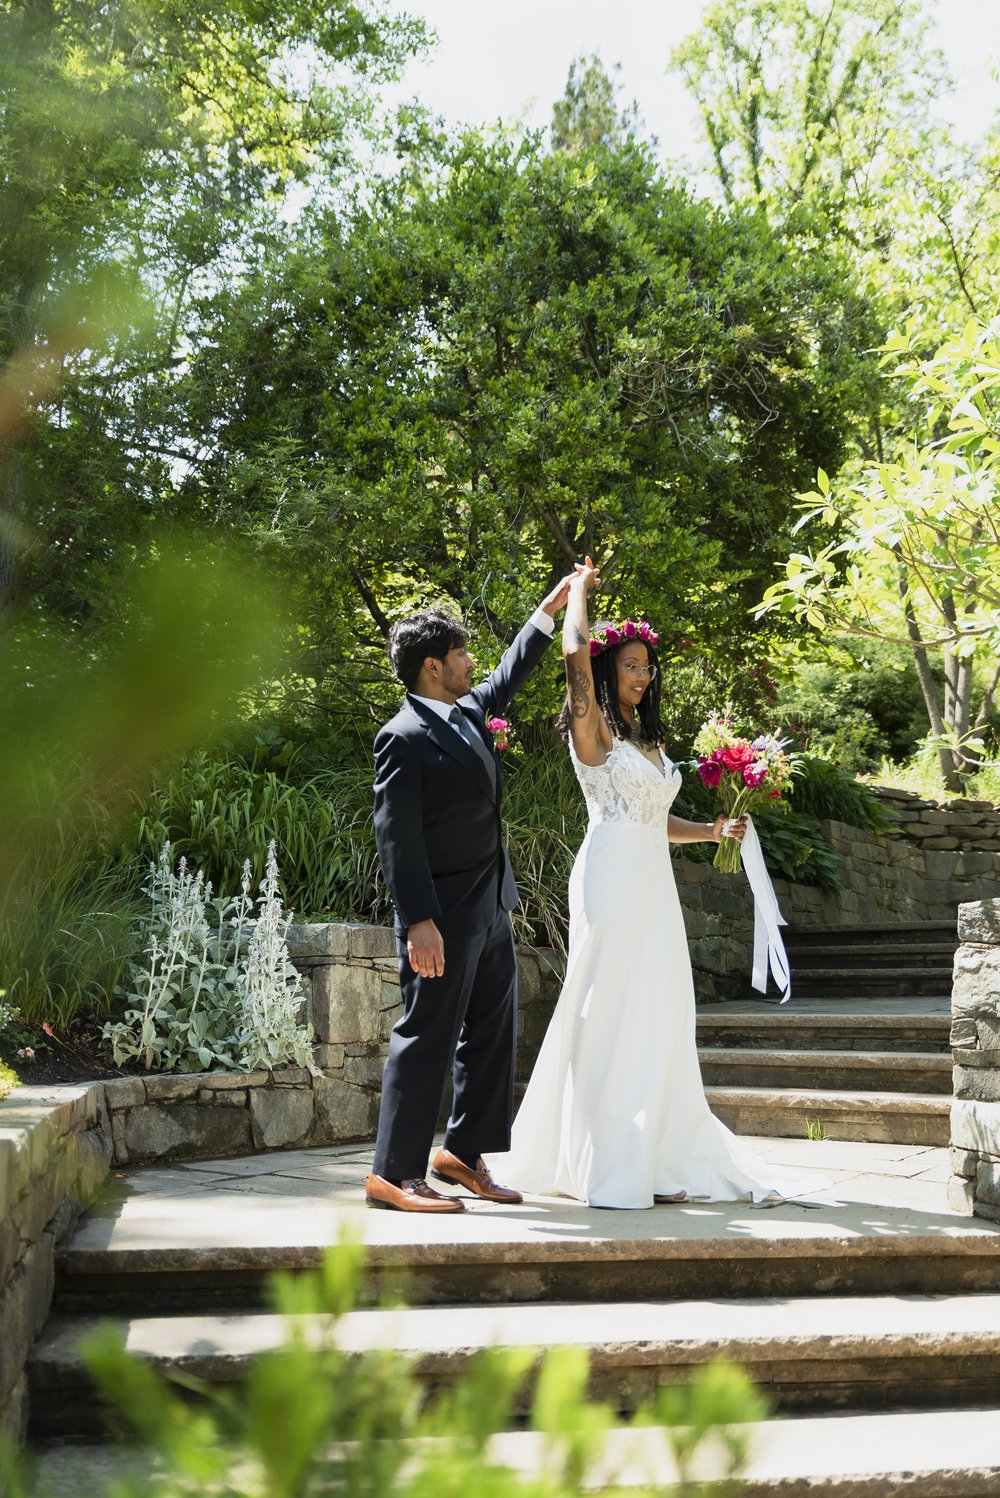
452,743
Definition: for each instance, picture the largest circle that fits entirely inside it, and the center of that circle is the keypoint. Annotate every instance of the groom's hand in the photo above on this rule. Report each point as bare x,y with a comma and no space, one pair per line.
559,596
425,949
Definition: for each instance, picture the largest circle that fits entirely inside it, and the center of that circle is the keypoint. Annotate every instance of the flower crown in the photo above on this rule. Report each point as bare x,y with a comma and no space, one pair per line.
617,634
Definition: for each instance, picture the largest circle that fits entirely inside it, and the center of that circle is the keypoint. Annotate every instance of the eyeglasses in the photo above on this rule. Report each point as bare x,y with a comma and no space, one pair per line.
639,673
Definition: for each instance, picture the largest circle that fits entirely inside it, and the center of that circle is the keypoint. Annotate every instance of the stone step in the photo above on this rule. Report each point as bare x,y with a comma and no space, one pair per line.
885,953
876,1071
846,979
904,1001
793,1112
535,1253
947,1453
782,1026
807,1354
926,931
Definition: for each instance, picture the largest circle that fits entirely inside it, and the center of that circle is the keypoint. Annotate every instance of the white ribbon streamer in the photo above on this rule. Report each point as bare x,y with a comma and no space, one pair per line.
768,946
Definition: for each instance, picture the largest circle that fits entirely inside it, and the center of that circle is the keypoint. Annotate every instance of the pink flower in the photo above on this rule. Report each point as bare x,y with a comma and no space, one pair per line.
755,775
630,629
737,756
612,636
595,648
710,771
499,728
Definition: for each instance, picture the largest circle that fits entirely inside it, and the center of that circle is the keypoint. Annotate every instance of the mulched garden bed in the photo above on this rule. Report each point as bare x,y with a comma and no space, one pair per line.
77,1054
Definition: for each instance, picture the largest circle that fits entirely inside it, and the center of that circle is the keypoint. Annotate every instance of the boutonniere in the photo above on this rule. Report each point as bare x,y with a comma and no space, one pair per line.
500,729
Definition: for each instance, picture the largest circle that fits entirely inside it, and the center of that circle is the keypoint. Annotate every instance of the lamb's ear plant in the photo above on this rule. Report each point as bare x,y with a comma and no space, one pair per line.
270,987
215,988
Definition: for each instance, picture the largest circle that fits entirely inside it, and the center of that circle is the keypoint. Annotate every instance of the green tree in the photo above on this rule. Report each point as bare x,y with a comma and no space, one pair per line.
804,105
503,360
915,558
588,114
144,148
821,117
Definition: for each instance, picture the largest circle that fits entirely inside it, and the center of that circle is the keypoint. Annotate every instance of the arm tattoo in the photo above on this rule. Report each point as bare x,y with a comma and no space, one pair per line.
578,682
579,639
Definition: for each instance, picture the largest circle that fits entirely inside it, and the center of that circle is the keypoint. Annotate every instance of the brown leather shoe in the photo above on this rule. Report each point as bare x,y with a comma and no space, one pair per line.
409,1196
448,1167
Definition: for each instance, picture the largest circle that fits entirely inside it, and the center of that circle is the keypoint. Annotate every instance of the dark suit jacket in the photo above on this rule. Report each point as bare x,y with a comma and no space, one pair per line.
437,816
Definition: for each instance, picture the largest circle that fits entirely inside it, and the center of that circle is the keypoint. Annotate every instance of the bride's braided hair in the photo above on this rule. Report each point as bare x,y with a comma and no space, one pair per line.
605,671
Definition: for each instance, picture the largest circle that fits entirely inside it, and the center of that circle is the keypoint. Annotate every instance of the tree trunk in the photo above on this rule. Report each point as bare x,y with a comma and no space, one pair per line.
11,478
932,701
985,707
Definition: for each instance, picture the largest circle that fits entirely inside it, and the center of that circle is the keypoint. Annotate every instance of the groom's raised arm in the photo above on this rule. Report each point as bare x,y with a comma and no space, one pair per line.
523,654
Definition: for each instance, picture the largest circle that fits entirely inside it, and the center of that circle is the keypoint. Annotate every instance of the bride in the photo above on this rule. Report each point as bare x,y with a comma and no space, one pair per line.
615,1113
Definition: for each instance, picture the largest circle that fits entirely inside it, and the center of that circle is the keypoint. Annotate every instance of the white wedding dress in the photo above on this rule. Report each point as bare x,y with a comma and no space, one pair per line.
615,1111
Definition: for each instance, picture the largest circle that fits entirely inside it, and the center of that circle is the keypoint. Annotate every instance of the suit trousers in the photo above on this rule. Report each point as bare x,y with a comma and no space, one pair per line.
466,1020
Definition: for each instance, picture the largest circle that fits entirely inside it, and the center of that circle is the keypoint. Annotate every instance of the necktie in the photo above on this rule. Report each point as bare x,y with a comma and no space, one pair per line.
473,740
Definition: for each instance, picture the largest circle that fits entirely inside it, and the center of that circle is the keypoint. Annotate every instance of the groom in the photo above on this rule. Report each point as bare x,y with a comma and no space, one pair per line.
438,789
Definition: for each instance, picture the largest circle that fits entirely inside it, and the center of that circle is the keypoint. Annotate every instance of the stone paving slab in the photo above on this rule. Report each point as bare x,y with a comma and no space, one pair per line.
306,1199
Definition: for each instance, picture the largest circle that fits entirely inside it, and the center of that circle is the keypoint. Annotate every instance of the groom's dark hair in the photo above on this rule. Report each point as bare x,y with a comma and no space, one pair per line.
412,640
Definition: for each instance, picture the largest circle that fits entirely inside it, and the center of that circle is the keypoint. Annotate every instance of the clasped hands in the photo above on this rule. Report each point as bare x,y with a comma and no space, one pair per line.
586,571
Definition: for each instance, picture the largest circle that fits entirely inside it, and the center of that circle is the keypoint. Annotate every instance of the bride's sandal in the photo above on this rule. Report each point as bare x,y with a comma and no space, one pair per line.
662,1201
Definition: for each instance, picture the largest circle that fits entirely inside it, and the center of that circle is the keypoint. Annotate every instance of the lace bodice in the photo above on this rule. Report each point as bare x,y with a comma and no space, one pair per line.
627,787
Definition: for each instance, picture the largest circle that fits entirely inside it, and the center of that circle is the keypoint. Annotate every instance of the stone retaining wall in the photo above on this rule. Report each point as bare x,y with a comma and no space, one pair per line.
975,1040
55,1155
209,1114
59,1144
943,825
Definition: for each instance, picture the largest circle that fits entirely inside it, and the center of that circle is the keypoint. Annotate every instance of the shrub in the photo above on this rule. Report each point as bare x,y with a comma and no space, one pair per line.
214,811
65,934
793,844
821,789
8,1079
860,704
218,811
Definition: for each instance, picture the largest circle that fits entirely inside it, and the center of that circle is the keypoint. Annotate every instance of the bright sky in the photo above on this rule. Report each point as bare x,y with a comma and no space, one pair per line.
510,61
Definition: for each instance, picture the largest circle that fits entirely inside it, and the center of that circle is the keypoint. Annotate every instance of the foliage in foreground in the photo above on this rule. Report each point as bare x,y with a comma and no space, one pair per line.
312,1419
8,1079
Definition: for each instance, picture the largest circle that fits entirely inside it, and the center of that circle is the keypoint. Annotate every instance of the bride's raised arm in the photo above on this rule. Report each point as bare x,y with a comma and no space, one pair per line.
588,730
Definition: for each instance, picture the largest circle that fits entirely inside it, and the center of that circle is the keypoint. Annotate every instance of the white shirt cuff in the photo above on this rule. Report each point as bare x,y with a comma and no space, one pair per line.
543,621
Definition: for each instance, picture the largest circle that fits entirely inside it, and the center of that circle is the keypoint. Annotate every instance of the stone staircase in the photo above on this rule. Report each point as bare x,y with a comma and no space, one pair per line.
872,1321
860,1052
850,1317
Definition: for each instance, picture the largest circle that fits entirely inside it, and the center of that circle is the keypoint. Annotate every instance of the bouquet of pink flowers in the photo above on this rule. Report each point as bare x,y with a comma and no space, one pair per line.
746,773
